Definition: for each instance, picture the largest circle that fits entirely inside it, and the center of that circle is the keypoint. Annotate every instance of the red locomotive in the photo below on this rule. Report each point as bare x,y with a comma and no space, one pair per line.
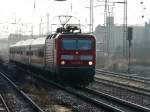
67,54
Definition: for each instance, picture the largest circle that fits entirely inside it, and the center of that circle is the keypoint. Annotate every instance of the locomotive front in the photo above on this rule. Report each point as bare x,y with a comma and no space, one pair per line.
76,55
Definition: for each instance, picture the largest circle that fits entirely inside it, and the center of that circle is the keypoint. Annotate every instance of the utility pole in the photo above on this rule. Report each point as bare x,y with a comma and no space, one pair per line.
32,31
47,23
40,27
91,16
125,46
106,27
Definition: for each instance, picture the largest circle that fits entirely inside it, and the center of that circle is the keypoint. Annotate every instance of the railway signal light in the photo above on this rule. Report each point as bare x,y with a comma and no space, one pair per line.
130,35
130,30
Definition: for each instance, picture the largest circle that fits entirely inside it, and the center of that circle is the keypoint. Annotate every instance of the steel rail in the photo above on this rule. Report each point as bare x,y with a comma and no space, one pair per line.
125,76
143,87
131,88
136,107
84,97
33,104
95,102
98,103
5,107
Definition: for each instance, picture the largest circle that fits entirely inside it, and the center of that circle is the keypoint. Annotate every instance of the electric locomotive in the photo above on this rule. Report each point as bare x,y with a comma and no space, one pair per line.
66,54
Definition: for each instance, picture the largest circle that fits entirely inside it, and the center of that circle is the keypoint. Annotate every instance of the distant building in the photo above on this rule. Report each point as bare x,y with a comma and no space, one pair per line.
112,35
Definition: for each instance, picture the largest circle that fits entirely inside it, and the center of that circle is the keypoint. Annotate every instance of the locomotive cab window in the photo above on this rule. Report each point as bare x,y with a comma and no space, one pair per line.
84,44
76,44
68,44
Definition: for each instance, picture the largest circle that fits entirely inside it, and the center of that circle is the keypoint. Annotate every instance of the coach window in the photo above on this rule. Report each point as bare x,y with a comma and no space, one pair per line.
20,51
13,50
40,53
36,52
17,51
31,53
27,53
10,50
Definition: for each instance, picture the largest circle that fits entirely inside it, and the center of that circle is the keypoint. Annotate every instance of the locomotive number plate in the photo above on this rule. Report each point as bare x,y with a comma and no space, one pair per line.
76,62
76,57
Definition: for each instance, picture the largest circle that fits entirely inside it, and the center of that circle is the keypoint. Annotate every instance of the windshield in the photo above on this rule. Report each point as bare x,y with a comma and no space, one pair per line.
76,44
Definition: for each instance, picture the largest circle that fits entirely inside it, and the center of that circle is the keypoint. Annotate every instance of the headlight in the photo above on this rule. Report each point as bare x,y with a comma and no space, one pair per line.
90,63
63,62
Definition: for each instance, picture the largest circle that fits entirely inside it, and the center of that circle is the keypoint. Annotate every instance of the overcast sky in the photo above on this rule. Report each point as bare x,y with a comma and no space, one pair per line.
35,11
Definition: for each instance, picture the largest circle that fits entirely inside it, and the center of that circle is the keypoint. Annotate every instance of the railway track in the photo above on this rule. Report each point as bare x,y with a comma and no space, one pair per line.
84,97
3,105
121,105
134,84
125,76
34,106
101,100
